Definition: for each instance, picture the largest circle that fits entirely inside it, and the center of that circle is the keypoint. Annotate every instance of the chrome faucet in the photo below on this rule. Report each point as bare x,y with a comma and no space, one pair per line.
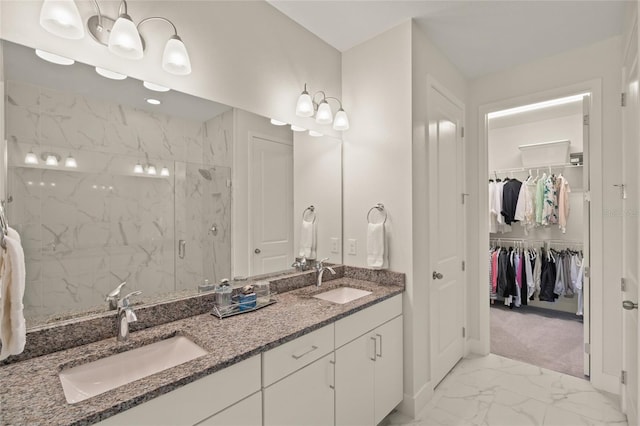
320,268
114,296
300,264
125,316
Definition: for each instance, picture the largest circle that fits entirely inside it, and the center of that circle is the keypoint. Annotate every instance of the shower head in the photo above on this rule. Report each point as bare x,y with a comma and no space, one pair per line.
206,174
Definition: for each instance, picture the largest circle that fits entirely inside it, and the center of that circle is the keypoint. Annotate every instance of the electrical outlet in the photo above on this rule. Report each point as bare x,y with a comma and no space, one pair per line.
335,246
353,247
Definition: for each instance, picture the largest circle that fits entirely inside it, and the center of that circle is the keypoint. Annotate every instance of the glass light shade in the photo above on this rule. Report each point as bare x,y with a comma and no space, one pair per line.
298,128
304,107
175,59
61,17
138,168
151,170
314,133
324,114
124,39
30,158
71,162
164,172
110,74
341,122
277,122
155,87
53,58
51,160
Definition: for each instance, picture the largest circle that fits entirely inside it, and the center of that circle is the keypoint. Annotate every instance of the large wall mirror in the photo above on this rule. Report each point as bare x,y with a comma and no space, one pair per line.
105,185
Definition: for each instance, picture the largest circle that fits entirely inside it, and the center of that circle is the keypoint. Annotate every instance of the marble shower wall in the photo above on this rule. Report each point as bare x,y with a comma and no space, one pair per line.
84,230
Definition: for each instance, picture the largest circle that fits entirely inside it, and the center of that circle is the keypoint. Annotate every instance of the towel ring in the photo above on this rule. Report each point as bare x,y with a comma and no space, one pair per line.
380,208
312,211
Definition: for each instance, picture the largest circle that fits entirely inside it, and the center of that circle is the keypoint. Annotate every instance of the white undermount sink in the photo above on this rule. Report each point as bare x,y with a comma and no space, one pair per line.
93,378
342,295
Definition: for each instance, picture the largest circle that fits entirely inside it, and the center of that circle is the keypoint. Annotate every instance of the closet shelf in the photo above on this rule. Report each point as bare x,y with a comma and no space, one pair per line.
539,167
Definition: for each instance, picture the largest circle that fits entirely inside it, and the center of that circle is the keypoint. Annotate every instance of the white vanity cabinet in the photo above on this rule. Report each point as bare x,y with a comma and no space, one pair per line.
247,412
198,401
368,369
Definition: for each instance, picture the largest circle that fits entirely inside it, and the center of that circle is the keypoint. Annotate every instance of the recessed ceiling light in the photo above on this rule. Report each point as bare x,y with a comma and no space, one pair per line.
277,122
53,58
110,74
155,87
314,133
298,128
536,106
153,101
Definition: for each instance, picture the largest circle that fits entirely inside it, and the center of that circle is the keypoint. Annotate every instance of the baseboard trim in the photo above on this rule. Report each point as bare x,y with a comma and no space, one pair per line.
412,405
606,382
475,346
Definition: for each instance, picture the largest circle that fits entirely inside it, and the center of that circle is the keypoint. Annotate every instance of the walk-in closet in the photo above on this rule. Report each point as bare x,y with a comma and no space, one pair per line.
539,223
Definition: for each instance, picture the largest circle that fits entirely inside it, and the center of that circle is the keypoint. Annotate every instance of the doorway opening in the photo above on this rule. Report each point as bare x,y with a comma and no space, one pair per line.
538,163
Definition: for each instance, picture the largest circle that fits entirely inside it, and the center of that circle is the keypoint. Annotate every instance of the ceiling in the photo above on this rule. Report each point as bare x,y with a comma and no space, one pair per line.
479,37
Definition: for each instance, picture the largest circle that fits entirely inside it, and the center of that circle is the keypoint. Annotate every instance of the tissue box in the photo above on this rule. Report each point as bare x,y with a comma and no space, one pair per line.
246,301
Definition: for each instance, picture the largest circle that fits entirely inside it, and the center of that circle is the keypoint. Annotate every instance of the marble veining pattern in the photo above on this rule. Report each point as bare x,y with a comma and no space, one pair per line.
294,315
494,391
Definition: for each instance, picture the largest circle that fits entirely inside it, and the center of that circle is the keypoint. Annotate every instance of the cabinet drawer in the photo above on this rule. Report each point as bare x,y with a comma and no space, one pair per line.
196,401
354,326
285,359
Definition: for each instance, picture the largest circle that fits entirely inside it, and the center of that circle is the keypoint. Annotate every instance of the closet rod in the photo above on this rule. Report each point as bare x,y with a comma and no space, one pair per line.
540,167
524,240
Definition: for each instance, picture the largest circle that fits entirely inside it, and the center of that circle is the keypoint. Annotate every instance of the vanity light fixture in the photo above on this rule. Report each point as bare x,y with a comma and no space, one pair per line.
71,162
110,74
164,172
121,35
314,133
138,169
278,122
53,58
151,170
155,87
298,128
30,158
153,101
307,106
50,159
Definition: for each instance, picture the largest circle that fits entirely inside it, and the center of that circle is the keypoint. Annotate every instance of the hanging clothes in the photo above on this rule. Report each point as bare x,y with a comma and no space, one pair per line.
510,193
547,278
550,202
563,203
540,198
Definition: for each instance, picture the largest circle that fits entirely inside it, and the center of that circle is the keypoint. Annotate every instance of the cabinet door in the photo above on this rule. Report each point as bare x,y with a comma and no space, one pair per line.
306,397
247,412
355,382
388,368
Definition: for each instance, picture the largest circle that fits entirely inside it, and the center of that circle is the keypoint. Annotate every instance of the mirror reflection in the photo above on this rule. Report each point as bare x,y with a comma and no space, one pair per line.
109,181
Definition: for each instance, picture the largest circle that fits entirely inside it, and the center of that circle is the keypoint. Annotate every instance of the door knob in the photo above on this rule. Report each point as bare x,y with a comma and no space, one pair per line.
437,275
257,251
629,305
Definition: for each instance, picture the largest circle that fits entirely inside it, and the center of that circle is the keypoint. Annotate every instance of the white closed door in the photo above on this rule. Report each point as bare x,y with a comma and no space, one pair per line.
270,205
446,284
630,236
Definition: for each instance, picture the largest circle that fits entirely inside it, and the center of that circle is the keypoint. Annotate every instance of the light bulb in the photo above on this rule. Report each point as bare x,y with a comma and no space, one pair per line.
304,107
151,170
70,162
51,160
53,58
298,128
314,133
138,169
110,74
164,172
124,39
155,87
30,158
278,122
62,18
324,114
341,122
175,59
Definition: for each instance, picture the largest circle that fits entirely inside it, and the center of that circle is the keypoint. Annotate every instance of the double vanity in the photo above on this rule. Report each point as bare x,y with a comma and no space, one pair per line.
320,355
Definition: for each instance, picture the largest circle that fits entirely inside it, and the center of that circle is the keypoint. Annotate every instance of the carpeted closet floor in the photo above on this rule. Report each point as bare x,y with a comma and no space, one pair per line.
548,339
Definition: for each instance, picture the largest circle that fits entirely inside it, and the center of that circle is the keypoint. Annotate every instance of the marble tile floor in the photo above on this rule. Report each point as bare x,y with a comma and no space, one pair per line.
496,391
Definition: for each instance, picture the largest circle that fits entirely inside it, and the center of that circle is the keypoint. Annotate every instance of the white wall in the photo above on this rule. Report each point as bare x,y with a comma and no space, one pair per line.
244,54
600,61
317,166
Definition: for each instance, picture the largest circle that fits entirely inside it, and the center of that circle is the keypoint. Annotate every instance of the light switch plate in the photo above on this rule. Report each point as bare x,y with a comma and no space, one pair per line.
353,246
335,245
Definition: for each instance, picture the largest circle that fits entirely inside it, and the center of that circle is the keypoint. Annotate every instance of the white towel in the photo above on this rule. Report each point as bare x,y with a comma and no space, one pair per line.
307,240
13,331
375,245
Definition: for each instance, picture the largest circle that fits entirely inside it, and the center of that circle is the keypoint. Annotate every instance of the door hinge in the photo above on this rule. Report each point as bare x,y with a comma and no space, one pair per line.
585,119
623,284
464,195
229,183
623,99
464,265
462,131
464,332
587,272
587,348
623,377
587,196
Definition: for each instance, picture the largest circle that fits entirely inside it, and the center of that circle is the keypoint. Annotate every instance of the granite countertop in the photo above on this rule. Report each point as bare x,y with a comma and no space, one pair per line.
32,393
